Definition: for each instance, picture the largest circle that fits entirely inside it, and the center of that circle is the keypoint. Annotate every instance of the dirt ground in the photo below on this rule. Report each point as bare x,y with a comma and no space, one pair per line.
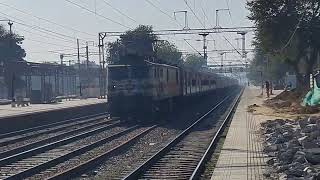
284,104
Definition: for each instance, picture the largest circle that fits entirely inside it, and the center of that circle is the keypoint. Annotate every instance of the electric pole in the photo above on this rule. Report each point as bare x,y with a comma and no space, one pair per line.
79,69
217,17
244,53
205,53
186,26
13,74
87,55
10,25
62,74
221,69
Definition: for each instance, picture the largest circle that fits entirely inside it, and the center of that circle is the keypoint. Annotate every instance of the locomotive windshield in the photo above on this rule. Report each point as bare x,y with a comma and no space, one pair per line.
118,73
139,72
128,72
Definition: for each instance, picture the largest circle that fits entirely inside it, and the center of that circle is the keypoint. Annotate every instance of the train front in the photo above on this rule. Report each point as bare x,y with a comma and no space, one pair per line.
129,91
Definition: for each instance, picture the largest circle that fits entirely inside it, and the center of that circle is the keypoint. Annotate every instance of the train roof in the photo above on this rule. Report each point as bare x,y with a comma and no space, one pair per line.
147,63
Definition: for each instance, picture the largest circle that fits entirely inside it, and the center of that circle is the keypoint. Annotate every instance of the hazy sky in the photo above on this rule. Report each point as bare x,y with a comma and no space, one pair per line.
69,22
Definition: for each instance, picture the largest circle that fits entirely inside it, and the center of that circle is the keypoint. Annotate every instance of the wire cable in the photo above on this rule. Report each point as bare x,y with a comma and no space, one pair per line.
119,11
163,12
95,13
37,28
186,2
46,20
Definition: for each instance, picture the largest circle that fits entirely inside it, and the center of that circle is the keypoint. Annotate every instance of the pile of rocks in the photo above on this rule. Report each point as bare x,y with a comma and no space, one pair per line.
293,148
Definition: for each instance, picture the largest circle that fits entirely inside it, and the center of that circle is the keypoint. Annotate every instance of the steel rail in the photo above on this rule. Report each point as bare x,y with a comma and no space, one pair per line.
52,162
32,152
83,167
25,147
152,160
21,132
200,167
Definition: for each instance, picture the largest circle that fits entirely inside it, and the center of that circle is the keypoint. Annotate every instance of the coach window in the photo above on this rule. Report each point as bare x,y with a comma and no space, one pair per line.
161,73
177,77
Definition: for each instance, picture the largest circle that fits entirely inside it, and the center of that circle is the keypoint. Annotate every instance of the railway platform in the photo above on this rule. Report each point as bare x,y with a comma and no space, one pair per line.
16,118
8,111
241,156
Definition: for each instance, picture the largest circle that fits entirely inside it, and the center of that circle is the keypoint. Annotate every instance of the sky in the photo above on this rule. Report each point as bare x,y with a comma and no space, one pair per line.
50,28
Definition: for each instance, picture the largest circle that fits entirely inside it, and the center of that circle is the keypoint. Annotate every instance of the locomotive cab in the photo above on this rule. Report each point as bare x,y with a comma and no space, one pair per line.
128,90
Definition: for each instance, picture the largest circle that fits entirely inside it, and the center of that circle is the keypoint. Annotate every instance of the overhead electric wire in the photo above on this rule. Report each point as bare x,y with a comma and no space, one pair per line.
152,4
95,13
48,43
163,12
119,11
38,28
186,2
33,33
227,1
193,47
46,20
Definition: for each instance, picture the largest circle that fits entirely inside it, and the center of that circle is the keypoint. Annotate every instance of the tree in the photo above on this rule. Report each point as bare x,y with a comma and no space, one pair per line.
195,61
136,46
288,30
133,47
168,53
10,53
10,49
270,68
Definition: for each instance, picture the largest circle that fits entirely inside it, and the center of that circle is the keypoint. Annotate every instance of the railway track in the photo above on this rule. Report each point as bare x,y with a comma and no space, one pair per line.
56,149
25,152
86,161
185,156
24,141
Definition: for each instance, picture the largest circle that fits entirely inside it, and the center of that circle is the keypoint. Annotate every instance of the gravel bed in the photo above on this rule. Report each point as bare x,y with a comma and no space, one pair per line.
126,161
46,136
88,155
45,129
293,148
119,166
61,150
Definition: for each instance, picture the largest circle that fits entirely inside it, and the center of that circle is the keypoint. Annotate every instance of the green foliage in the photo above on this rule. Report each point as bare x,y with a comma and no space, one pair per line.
10,52
140,44
10,49
195,61
272,68
288,31
133,47
168,53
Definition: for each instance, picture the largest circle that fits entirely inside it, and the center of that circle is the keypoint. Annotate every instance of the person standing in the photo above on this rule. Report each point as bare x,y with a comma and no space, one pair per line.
268,88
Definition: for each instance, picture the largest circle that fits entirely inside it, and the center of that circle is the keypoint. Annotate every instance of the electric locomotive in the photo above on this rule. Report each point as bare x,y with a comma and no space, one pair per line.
150,89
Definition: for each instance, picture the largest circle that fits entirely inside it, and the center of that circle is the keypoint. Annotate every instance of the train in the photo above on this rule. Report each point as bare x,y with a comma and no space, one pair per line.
150,90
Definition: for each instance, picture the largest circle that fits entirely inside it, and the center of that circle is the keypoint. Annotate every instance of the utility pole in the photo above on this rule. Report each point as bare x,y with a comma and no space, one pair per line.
87,55
62,74
13,74
103,82
237,39
205,53
79,69
222,61
244,53
10,25
217,17
78,47
186,26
